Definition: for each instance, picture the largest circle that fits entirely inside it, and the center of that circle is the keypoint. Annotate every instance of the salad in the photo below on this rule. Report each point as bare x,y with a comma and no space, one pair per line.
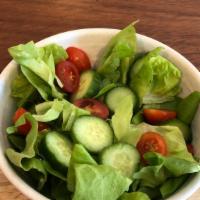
118,131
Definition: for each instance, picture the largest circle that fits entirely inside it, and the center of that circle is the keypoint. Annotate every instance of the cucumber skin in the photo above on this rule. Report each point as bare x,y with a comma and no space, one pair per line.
49,156
117,145
93,89
77,141
114,90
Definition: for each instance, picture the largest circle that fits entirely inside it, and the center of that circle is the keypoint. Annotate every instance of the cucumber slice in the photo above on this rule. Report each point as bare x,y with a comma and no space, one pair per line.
57,149
116,95
93,133
90,84
121,156
184,128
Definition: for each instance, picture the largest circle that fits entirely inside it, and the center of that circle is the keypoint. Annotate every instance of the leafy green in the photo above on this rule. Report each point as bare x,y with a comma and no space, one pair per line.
26,159
162,168
59,54
152,176
171,185
173,137
38,66
124,68
52,171
120,49
21,89
105,89
94,182
79,156
134,196
17,141
122,117
154,78
51,110
188,106
170,105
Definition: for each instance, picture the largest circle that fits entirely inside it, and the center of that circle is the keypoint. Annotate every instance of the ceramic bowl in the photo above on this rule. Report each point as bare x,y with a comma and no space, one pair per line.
92,41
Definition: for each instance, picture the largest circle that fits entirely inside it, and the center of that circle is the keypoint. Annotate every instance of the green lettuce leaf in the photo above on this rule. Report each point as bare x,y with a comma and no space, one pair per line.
173,137
161,168
155,79
94,182
26,159
51,110
21,89
171,185
122,117
38,66
152,176
105,89
121,48
79,156
58,52
134,196
188,107
52,171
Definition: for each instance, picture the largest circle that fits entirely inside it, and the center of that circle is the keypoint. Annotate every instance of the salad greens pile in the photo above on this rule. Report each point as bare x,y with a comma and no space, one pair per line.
122,134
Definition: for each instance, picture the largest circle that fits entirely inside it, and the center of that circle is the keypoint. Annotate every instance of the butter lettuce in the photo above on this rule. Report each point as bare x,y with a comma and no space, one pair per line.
38,66
22,90
79,156
161,168
26,159
134,196
122,117
118,55
155,79
52,110
94,182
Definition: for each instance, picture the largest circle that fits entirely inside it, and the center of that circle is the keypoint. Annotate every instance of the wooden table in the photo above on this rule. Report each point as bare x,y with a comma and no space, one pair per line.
175,23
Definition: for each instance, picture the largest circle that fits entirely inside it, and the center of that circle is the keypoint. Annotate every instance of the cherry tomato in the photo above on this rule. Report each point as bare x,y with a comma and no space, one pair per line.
25,128
154,116
68,75
79,58
152,142
96,108
190,148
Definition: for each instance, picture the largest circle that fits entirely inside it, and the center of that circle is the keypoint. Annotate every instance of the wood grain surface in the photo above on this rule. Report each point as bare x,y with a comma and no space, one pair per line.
175,23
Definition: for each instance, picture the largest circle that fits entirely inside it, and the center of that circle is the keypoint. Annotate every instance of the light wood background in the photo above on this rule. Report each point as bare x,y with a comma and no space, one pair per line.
175,23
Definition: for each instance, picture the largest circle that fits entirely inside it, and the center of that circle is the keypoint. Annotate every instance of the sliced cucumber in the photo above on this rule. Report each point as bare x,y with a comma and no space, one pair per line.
116,95
184,128
93,133
121,156
56,148
90,83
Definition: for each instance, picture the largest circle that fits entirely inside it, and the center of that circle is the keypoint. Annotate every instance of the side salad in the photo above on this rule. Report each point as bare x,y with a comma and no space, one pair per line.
115,131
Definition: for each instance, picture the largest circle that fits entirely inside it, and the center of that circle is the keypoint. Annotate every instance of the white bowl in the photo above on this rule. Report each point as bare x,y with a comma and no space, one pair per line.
92,41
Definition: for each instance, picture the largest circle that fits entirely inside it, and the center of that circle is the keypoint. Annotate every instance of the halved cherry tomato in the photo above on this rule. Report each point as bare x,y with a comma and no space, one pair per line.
154,116
68,75
25,128
79,58
96,108
190,148
152,142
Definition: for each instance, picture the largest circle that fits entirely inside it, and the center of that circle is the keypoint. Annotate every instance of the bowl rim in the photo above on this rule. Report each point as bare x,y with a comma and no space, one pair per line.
6,168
